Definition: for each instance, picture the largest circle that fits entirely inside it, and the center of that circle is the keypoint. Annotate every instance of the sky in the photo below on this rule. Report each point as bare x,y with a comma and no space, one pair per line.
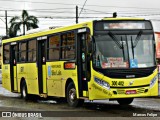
52,13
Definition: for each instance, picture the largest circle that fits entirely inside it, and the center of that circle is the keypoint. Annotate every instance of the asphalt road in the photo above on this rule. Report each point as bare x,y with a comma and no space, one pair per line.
141,107
47,109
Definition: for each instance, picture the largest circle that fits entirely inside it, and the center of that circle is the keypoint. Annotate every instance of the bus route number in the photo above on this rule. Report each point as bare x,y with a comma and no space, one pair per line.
116,83
21,69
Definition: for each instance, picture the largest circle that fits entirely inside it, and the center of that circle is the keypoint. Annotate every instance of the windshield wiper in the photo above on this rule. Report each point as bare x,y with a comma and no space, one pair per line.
137,38
122,48
132,47
115,40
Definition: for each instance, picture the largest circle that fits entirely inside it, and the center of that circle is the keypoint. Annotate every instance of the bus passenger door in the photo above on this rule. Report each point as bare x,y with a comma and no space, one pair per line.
13,67
41,64
83,68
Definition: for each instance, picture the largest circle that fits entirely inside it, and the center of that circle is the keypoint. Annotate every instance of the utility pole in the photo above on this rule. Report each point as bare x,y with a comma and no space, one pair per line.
76,14
114,14
6,23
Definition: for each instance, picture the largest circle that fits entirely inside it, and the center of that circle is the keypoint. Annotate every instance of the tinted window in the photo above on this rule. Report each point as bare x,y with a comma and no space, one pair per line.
6,54
53,47
32,50
22,52
68,46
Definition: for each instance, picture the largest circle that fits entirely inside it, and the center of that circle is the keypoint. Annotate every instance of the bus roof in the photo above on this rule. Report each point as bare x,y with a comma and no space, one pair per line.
123,18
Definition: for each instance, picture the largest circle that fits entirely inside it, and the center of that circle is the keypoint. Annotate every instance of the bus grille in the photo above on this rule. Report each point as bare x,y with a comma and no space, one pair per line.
122,91
140,90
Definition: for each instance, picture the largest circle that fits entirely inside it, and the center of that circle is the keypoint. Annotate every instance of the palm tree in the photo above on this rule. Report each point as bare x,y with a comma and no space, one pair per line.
28,22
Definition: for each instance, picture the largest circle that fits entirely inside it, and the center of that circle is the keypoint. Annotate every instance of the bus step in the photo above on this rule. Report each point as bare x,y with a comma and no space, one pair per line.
43,95
15,91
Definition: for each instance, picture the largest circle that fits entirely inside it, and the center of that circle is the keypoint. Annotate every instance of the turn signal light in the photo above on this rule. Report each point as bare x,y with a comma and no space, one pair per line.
69,65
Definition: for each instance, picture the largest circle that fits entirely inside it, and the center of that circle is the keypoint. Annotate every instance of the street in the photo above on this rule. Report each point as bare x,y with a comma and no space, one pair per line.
141,107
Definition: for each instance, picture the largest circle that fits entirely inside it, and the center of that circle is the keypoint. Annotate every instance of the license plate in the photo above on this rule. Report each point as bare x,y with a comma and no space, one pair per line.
131,92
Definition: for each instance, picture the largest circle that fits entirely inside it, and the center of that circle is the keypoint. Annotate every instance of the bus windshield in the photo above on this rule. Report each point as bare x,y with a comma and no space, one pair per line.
124,51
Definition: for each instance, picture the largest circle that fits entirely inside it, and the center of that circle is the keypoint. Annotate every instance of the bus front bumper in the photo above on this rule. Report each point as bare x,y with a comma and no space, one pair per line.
97,92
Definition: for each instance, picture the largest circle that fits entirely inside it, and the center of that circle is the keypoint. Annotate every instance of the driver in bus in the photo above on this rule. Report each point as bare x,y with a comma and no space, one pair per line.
100,59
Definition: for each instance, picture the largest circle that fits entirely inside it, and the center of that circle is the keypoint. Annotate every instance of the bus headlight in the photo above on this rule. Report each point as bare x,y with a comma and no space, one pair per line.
102,83
153,81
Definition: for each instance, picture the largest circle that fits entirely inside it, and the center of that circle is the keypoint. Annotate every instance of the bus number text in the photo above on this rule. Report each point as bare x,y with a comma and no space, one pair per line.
115,83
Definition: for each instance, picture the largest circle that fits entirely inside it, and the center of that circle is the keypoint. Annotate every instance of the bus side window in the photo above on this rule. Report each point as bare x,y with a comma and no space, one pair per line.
23,58
34,57
53,48
6,54
32,50
22,51
68,46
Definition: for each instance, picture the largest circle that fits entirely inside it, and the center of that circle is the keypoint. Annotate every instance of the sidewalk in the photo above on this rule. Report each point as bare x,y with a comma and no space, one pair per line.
4,92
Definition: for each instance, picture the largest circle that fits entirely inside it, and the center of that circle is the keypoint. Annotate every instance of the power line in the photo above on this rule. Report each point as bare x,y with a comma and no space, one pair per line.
97,11
70,17
82,8
2,20
56,17
80,5
11,9
36,2
90,11
124,12
124,7
55,11
141,15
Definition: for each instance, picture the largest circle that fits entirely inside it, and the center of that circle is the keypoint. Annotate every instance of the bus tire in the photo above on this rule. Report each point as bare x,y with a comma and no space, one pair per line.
125,101
72,96
24,93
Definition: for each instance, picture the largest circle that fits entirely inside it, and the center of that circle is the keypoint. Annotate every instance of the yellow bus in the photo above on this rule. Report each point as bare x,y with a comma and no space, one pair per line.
112,58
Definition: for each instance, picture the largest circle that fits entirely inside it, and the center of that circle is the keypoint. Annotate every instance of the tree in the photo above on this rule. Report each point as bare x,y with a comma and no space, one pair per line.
26,21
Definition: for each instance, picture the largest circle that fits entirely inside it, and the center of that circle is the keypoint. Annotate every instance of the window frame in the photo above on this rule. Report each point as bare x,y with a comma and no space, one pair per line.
19,52
73,45
4,53
28,51
49,48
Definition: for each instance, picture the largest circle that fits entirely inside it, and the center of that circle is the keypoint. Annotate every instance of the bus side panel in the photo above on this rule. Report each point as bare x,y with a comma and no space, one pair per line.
44,79
6,82
15,78
21,73
57,77
28,71
96,91
32,78
72,75
54,78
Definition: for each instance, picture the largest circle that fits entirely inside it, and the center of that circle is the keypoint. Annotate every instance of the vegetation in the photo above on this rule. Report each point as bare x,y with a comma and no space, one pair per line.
25,21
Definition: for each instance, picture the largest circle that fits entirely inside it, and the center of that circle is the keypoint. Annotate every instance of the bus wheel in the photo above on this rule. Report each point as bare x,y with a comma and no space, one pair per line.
72,96
24,93
125,101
